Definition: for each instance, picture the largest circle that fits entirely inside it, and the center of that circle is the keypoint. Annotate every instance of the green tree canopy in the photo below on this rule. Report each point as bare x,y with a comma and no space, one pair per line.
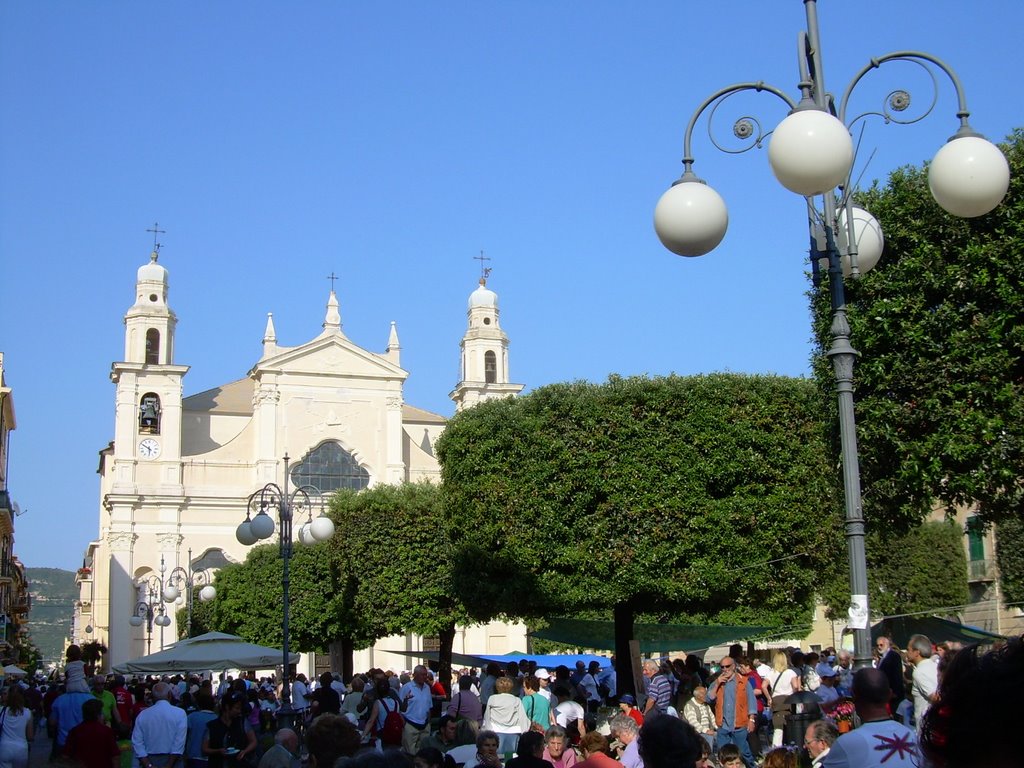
250,597
643,495
939,324
923,569
396,538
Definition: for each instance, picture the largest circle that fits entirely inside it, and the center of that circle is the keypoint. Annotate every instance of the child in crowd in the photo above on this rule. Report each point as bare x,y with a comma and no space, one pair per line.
74,671
729,756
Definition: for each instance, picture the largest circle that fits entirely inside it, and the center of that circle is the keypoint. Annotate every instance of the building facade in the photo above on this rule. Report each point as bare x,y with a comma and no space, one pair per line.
178,473
14,593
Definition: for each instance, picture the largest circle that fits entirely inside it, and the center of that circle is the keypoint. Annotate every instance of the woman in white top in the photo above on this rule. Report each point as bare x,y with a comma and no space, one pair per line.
17,730
783,682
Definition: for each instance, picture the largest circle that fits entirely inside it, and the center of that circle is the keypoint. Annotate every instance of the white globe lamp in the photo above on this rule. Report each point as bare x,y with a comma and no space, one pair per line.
207,593
262,526
135,621
322,528
170,593
969,176
691,218
867,234
810,152
244,534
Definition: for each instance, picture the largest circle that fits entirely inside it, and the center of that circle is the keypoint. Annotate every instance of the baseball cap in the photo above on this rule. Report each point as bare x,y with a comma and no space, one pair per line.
825,670
627,698
542,674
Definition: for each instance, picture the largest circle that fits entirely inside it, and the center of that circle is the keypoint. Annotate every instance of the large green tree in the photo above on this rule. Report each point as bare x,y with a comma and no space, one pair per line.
250,598
920,570
643,496
397,538
939,324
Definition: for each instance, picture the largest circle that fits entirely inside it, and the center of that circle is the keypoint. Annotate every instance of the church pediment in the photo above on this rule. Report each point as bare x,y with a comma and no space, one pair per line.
330,355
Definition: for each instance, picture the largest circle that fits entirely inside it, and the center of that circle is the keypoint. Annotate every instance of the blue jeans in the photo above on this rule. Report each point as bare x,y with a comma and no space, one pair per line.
737,736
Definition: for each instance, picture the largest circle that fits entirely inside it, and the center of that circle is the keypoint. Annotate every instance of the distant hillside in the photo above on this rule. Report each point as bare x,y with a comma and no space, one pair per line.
53,599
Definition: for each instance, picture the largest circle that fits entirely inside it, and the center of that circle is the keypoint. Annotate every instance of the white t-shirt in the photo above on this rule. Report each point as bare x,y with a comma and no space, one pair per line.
782,684
299,693
926,681
882,744
568,711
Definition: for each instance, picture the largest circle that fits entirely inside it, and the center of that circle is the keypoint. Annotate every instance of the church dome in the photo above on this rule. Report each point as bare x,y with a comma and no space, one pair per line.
483,297
152,272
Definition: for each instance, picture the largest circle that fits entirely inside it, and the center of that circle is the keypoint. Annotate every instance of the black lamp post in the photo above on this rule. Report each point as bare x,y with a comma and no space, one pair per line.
182,579
258,524
811,153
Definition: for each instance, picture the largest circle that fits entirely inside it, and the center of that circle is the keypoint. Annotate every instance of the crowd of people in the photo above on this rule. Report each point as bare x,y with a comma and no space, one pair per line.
923,706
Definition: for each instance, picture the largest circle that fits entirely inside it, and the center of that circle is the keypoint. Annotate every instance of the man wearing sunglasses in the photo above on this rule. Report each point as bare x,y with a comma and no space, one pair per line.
735,709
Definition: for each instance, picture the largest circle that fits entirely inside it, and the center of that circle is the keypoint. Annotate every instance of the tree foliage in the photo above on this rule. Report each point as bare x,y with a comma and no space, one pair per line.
396,539
1010,556
643,495
250,596
939,324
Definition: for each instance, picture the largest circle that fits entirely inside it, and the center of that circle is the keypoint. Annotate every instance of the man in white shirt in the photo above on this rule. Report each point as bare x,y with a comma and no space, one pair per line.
158,738
300,694
926,676
416,700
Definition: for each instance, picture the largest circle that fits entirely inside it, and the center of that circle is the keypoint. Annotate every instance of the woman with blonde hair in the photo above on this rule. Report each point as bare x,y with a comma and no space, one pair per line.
784,682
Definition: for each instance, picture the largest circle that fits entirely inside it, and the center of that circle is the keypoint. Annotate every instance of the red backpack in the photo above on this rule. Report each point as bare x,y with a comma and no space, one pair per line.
394,724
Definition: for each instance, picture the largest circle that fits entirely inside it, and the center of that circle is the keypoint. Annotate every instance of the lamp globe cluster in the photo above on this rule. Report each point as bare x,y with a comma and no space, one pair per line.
810,153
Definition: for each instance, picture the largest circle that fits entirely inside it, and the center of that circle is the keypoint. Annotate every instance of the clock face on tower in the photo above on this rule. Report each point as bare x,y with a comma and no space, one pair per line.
149,448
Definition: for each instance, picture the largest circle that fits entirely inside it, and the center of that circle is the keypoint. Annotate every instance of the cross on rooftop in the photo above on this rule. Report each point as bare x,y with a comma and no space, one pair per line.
156,232
484,271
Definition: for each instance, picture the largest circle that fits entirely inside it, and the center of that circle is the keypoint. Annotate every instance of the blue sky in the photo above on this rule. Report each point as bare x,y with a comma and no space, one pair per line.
391,142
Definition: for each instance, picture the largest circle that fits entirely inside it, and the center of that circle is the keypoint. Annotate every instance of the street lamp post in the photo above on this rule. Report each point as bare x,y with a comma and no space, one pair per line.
184,580
151,611
258,524
811,153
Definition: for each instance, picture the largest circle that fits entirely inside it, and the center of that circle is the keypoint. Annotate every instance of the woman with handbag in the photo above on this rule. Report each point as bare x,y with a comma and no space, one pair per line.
786,682
16,730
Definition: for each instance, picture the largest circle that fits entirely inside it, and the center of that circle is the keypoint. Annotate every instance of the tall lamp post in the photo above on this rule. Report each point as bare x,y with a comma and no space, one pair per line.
151,611
811,153
258,524
185,580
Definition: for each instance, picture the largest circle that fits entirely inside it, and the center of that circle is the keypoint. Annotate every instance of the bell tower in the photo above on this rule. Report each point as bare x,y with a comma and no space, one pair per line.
484,369
147,431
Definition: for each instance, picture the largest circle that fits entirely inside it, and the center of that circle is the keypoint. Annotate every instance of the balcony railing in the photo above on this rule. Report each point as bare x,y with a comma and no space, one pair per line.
981,570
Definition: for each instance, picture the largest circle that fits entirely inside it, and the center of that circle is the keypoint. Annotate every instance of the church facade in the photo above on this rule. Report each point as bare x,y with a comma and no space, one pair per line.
175,480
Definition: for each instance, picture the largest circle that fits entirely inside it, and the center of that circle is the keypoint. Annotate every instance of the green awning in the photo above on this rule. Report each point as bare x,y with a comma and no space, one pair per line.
901,628
600,635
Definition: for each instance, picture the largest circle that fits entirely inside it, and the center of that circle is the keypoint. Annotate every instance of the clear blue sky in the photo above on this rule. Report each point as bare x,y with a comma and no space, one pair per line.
390,142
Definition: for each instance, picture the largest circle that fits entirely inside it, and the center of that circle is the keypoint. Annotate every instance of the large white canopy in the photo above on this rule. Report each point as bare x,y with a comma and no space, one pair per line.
214,650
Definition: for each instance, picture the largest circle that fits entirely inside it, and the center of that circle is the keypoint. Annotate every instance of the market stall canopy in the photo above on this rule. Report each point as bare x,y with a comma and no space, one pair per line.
900,629
548,661
584,633
14,671
214,650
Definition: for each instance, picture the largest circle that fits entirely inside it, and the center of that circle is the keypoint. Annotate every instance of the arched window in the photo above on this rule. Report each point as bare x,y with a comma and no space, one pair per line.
490,367
149,414
330,467
153,346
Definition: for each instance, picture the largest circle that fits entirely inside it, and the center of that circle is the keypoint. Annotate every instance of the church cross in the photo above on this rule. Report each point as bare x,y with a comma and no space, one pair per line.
332,277
484,270
156,232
